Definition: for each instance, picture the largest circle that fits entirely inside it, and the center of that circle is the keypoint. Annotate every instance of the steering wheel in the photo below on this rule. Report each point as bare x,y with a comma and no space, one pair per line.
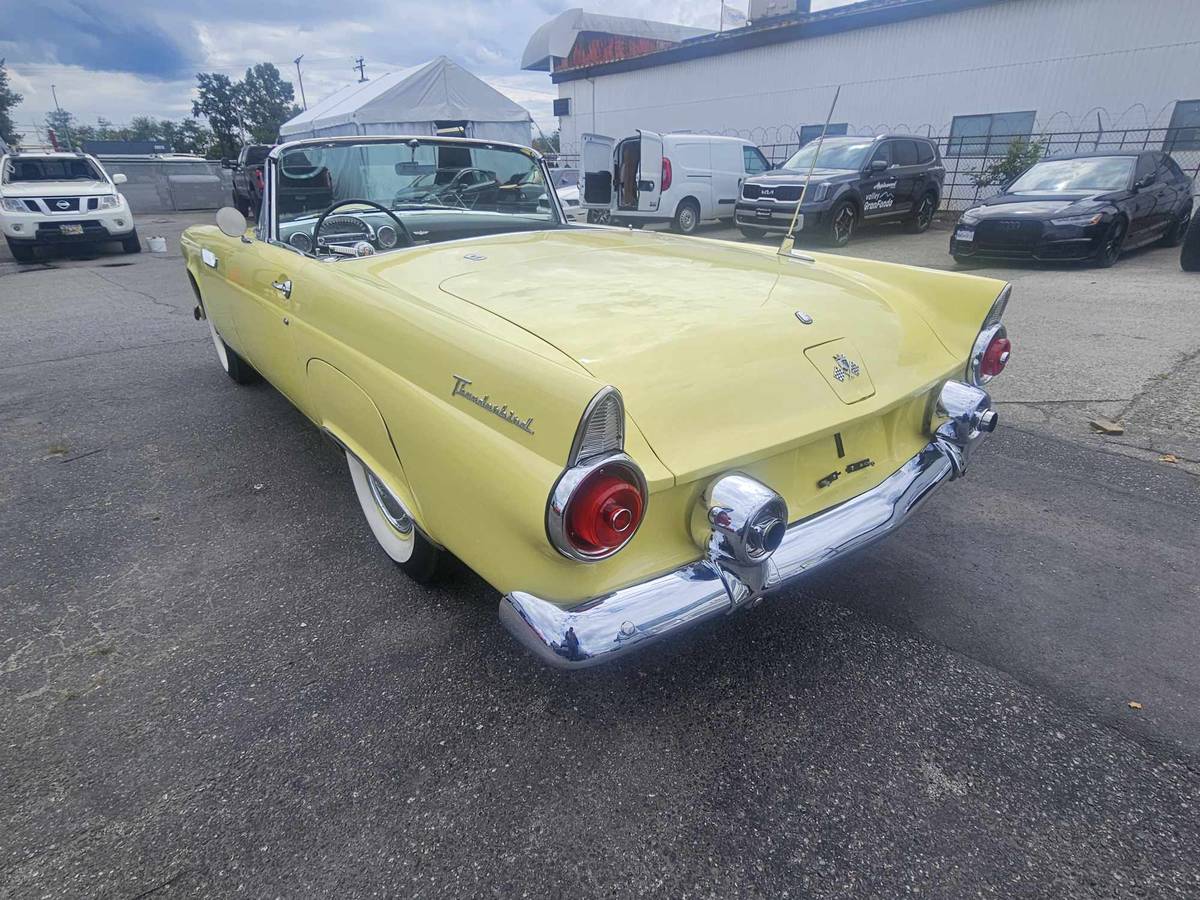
402,232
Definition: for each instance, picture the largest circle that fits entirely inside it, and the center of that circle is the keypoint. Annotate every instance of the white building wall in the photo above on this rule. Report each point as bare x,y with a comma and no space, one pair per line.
1128,60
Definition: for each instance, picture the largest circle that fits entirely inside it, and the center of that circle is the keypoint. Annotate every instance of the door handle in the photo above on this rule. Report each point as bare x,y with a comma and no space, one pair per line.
284,287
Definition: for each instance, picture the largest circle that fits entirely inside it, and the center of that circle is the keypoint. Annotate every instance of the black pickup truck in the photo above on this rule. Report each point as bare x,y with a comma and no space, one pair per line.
248,177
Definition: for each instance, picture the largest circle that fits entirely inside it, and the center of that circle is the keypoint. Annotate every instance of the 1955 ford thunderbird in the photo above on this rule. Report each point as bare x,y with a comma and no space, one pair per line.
625,433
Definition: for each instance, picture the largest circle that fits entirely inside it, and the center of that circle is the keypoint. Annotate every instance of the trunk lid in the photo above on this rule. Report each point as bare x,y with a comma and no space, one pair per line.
704,342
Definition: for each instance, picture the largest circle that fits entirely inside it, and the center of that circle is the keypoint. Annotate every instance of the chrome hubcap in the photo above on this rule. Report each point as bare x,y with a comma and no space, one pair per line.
389,505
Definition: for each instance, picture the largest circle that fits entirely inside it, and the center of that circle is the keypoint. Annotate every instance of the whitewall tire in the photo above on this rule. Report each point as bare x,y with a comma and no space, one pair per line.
393,526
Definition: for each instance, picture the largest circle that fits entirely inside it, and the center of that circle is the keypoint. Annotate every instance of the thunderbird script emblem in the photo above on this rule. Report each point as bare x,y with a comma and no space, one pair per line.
485,402
845,368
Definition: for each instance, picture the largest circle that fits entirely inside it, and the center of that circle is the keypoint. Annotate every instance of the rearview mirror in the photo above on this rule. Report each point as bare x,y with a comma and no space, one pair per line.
231,222
879,165
119,178
1144,182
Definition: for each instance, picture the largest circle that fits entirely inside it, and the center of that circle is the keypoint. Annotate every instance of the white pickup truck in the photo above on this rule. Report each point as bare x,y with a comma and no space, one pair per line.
61,198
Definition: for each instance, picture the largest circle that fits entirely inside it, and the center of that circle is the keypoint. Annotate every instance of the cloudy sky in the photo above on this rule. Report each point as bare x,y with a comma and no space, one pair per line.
122,58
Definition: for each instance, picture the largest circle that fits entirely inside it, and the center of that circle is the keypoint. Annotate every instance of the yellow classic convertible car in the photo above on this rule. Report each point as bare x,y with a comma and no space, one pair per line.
624,432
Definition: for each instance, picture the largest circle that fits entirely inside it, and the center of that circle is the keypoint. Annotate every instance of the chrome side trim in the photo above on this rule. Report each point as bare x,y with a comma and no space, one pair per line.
604,628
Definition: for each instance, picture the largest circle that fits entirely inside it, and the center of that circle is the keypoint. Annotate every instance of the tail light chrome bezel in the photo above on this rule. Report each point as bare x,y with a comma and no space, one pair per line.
584,461
566,488
991,330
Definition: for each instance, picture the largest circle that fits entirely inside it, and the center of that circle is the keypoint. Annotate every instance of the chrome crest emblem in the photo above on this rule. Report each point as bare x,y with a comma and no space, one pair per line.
845,368
63,204
485,402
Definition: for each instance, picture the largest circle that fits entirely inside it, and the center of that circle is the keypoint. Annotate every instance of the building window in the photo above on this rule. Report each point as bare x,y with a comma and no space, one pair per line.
810,133
989,134
562,106
1184,131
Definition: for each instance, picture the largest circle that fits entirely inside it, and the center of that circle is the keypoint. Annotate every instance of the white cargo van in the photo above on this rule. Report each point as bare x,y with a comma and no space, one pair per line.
680,178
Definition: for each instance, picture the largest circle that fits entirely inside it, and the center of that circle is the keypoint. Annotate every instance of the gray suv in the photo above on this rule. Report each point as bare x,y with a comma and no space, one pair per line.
890,178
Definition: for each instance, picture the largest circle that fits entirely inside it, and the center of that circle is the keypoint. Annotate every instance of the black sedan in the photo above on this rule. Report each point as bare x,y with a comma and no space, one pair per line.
1085,207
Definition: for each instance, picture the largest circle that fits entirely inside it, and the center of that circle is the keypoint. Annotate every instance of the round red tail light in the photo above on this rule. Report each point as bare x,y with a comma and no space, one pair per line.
604,511
995,358
666,174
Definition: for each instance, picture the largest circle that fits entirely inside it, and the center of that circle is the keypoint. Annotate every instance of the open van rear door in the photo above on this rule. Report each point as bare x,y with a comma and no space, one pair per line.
596,175
650,168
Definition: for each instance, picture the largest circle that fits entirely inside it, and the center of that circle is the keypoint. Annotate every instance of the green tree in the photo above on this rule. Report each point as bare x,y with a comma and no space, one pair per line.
8,100
545,144
267,101
219,103
188,136
1021,155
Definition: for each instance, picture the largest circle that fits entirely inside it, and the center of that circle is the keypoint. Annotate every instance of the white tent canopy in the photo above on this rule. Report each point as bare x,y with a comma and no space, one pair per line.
420,100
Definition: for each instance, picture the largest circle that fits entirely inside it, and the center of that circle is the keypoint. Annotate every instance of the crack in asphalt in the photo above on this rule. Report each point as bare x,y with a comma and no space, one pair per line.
155,300
42,362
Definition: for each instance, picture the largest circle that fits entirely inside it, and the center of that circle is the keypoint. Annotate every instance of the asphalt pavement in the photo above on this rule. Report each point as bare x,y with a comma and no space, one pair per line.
213,683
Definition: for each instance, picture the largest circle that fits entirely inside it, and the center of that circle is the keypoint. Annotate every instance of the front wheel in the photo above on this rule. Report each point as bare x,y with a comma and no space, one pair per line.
841,223
235,367
599,217
1110,249
130,243
393,526
923,217
687,217
20,252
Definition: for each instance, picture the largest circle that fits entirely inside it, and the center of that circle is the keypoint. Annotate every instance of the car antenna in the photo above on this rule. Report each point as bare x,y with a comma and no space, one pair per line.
789,241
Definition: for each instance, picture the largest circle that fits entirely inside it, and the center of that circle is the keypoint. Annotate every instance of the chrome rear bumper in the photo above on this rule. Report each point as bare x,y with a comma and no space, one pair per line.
604,628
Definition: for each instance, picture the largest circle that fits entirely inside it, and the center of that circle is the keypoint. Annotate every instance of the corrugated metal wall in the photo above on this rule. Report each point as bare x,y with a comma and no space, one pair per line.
1066,59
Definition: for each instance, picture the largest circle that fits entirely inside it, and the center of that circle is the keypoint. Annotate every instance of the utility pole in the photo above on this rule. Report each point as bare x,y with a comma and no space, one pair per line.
300,78
362,70
65,127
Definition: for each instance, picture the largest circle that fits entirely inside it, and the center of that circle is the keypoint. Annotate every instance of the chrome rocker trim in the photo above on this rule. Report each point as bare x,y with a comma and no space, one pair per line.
605,628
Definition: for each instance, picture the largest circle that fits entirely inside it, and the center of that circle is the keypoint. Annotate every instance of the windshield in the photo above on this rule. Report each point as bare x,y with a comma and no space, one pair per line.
413,174
70,169
1098,173
840,154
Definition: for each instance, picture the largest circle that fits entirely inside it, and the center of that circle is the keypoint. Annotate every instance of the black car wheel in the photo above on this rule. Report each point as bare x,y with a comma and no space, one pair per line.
599,216
841,223
131,243
923,217
752,234
1189,256
20,252
1178,229
1110,250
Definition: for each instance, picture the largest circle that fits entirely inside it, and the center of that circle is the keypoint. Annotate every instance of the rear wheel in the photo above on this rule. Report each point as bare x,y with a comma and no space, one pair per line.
752,234
1178,229
20,252
130,243
393,526
1189,256
1110,249
922,218
687,217
842,220
599,216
